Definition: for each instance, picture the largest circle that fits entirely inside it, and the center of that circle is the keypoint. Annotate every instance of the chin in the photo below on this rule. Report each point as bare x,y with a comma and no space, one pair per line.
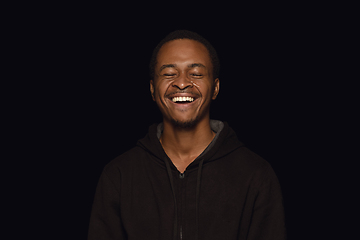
190,123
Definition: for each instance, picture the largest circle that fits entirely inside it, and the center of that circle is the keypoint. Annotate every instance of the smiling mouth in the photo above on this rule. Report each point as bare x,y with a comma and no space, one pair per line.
182,99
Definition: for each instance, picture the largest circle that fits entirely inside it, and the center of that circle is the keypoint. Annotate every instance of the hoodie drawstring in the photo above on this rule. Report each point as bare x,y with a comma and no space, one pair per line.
173,190
198,181
197,196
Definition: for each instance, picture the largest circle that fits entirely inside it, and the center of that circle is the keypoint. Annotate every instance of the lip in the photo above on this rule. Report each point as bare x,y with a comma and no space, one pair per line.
194,96
182,105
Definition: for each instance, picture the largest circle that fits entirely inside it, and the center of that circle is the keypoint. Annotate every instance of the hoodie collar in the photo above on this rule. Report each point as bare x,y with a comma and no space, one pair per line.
224,142
216,126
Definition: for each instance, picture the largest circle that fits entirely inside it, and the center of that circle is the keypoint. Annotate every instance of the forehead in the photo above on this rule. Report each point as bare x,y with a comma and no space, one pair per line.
184,51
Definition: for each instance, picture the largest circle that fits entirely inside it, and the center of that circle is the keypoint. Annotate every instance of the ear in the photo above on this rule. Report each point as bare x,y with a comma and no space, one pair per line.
216,88
152,90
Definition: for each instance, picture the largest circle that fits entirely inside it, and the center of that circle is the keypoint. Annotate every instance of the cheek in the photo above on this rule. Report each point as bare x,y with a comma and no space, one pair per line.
160,91
204,89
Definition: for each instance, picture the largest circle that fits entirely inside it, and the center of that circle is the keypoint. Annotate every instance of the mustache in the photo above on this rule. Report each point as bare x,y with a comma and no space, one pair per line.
183,91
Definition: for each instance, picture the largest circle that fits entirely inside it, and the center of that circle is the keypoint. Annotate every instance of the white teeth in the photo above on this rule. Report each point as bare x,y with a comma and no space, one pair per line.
182,99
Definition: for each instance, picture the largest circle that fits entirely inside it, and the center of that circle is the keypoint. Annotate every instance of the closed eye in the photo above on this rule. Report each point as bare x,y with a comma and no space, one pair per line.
196,75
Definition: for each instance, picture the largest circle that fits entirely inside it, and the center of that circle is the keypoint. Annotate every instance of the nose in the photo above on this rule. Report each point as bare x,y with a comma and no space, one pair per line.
182,83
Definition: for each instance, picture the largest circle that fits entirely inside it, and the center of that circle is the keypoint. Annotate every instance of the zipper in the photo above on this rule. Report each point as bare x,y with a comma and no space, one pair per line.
181,176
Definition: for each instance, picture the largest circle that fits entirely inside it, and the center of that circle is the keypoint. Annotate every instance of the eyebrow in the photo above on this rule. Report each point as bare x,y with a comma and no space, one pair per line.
167,66
193,65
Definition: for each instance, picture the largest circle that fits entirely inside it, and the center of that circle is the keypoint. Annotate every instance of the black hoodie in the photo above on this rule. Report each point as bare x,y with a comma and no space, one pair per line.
227,193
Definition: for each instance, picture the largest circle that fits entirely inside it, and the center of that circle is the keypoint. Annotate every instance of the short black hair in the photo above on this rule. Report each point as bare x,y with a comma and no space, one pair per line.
185,34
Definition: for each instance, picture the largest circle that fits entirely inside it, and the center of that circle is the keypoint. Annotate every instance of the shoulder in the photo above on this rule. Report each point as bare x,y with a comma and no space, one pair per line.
125,161
252,165
249,160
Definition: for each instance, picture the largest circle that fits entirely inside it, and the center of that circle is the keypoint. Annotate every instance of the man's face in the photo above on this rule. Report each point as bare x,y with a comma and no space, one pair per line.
183,85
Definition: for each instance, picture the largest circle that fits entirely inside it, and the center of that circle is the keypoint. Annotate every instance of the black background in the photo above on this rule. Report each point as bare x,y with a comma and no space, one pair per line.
89,101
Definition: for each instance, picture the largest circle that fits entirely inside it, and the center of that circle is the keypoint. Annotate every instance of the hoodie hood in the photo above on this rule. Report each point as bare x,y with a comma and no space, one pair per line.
224,143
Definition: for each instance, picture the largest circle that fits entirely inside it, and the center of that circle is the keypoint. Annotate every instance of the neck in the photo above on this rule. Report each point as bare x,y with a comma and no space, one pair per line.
184,145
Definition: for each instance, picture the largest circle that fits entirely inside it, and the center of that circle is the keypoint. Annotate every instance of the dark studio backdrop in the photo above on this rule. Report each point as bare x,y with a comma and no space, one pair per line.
95,101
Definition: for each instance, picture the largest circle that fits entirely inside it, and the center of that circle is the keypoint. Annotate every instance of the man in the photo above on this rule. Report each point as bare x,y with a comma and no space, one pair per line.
189,178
